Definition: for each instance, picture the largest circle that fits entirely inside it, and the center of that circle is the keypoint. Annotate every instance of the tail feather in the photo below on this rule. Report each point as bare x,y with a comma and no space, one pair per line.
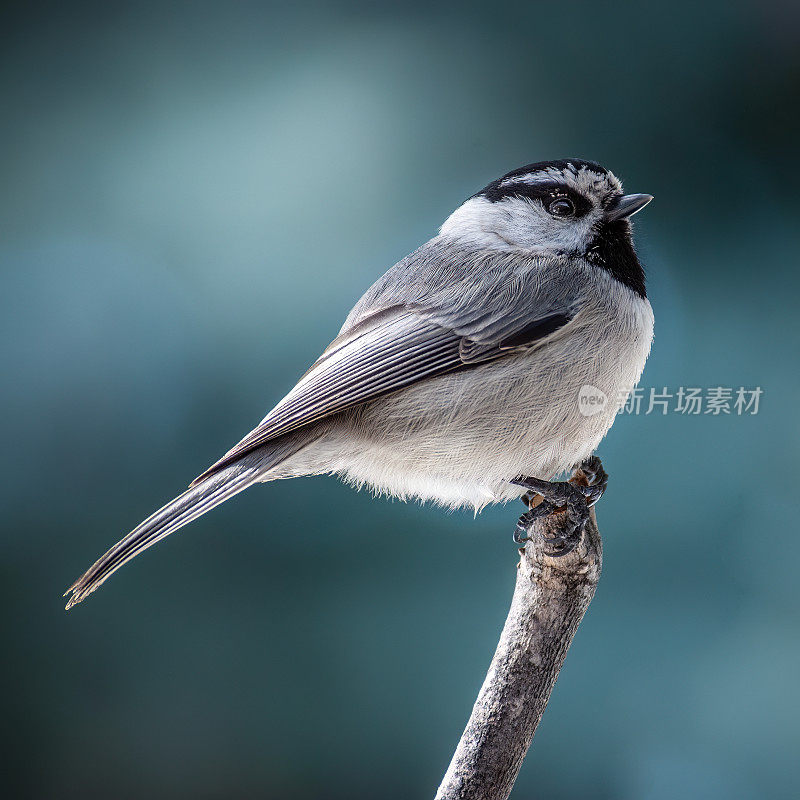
191,504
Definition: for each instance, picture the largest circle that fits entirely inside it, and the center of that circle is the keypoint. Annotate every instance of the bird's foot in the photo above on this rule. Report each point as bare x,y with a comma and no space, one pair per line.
575,497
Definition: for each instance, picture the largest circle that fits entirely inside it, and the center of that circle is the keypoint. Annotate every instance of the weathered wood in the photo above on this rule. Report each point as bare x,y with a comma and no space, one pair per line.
551,596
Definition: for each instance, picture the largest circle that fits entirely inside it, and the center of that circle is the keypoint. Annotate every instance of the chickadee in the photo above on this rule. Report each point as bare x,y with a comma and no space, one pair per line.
456,377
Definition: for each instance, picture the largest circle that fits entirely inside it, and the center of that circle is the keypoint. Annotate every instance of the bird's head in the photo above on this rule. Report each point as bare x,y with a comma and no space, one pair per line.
569,207
550,207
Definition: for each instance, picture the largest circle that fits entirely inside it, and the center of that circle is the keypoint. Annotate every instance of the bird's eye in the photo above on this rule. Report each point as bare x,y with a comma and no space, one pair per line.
561,207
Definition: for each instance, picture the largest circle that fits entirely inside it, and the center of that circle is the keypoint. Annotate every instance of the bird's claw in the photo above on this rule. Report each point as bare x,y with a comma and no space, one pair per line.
575,497
591,479
524,523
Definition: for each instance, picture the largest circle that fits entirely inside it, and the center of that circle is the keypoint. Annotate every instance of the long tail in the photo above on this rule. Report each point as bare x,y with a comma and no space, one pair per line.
191,504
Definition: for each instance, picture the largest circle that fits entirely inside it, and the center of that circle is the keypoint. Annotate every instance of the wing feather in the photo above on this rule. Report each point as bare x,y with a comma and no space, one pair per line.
395,354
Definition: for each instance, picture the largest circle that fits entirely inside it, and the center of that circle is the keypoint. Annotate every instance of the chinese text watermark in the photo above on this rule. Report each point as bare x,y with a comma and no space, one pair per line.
686,400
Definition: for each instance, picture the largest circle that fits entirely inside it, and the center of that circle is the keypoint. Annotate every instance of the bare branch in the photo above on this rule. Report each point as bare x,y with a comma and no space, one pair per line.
551,596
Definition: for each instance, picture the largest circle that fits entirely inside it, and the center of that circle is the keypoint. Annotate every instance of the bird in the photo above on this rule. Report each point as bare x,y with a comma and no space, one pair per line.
456,377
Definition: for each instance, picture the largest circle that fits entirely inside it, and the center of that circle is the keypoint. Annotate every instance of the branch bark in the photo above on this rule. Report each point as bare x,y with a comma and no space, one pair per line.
551,596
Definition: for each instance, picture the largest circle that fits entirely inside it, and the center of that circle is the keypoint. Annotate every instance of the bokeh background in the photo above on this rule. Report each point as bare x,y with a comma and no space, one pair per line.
192,197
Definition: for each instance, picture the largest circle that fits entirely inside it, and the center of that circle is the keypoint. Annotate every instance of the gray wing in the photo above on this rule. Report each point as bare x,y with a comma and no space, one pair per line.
396,338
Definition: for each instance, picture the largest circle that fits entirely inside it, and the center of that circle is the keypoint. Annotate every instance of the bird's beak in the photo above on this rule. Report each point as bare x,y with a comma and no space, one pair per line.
626,205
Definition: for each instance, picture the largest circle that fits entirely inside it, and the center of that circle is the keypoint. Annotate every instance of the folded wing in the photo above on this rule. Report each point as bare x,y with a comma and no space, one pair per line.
386,351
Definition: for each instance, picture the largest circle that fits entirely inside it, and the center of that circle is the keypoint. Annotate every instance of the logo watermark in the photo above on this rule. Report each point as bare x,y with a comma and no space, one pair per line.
686,400
591,400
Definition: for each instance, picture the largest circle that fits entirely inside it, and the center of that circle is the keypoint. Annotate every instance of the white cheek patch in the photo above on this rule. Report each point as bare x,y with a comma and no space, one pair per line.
571,236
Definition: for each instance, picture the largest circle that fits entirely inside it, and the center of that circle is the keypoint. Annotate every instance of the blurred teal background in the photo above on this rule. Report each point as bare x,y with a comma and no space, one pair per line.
192,197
